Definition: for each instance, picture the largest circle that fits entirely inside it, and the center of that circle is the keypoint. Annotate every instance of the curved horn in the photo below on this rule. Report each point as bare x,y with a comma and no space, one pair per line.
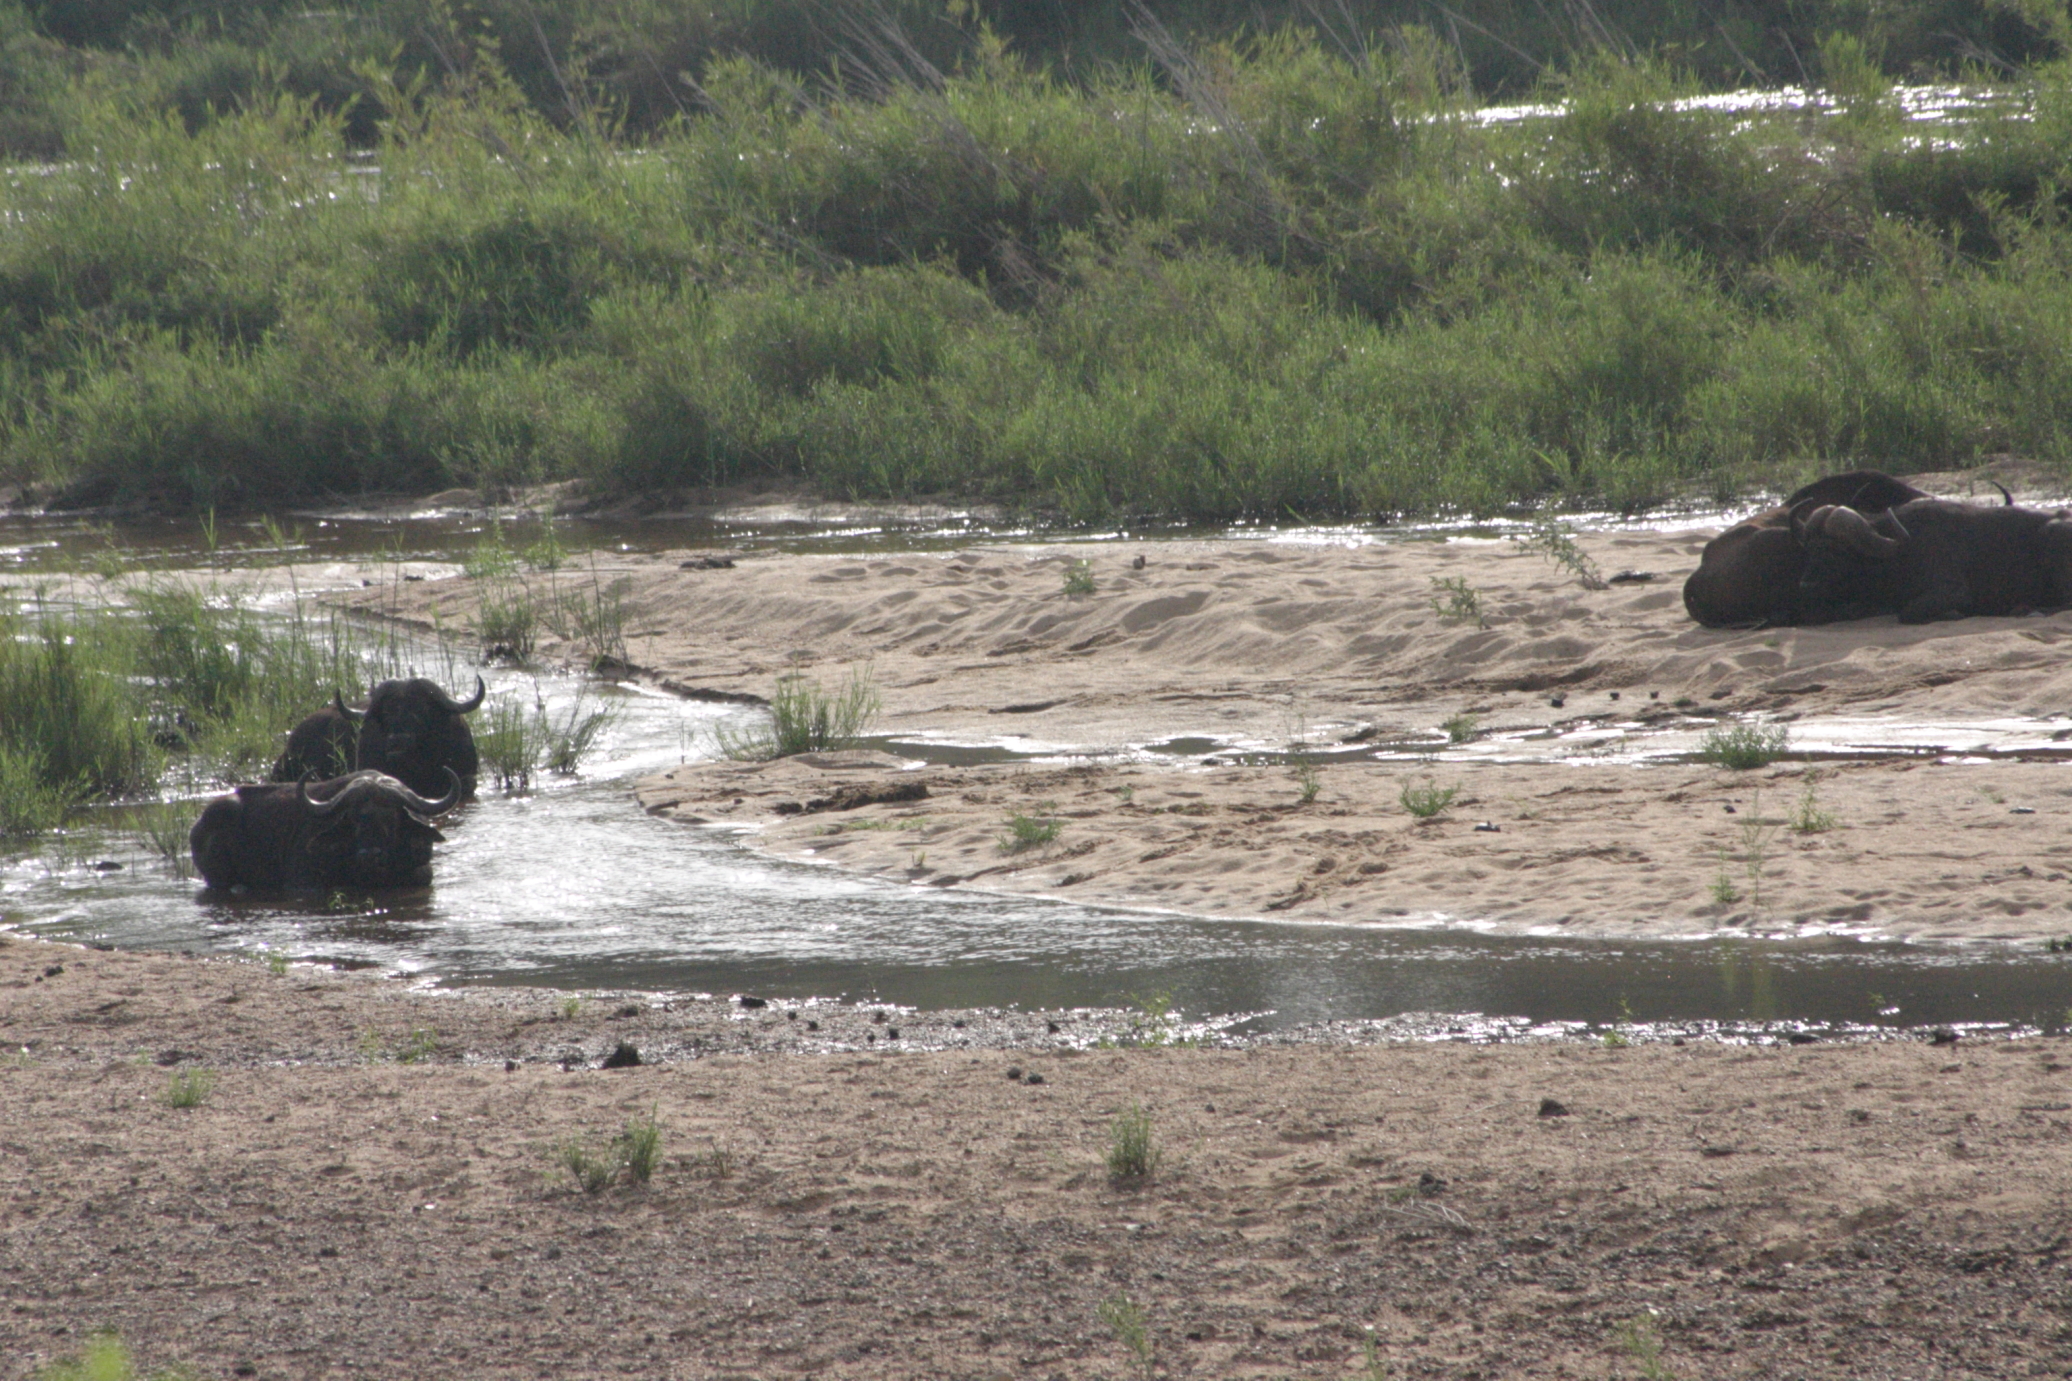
1854,531
2005,496
419,804
1801,516
452,706
338,704
337,798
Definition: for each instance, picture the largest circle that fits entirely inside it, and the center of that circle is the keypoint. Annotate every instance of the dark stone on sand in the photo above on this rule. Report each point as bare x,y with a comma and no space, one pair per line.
1014,1071
812,1025
1054,1027
1716,1151
623,1056
1942,1035
168,1058
1033,1079
1802,1038
892,1033
746,1001
510,1066
54,970
1553,1107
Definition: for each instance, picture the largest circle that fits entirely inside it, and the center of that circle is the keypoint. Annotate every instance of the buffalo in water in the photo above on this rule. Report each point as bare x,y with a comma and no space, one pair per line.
366,830
1934,559
412,730
1750,575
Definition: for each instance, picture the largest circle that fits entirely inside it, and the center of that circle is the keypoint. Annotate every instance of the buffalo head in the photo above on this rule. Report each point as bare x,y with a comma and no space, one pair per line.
365,830
412,730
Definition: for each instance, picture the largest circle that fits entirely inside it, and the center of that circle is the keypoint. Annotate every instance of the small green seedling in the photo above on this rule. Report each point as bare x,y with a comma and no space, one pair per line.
1556,543
1309,779
1133,1154
1031,831
1132,1328
1456,601
1642,1340
639,1147
1426,799
1809,818
190,1088
1079,578
1460,728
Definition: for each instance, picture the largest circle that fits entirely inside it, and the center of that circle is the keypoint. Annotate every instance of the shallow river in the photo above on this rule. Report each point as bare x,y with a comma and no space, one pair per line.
573,886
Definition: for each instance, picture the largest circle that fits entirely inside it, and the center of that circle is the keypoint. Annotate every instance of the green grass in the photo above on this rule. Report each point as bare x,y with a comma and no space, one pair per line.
1131,1325
104,1358
631,1157
1742,747
1133,1151
1026,831
517,743
803,717
1299,287
1426,799
189,1088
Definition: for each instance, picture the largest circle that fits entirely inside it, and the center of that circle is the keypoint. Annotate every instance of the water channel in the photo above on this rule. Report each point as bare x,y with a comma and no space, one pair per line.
573,886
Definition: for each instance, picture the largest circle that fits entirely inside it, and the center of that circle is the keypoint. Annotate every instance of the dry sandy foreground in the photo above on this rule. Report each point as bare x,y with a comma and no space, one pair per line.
1341,647
328,1209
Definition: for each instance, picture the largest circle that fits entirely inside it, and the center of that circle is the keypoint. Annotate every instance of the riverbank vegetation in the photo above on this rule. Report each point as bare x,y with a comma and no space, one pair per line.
1178,270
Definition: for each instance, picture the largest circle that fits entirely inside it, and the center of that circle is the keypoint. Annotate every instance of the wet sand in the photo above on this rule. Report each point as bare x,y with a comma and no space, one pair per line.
1322,648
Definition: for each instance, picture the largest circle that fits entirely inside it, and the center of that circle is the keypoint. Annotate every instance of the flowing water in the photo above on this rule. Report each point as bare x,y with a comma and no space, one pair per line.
573,886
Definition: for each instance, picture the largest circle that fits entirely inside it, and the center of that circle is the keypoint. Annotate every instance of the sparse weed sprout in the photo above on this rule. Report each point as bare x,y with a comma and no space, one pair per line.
1456,601
591,1170
1426,799
1555,542
1131,1326
635,1153
1809,818
804,718
1079,578
190,1088
1309,778
1031,831
1460,728
1744,746
1642,1340
1133,1154
639,1147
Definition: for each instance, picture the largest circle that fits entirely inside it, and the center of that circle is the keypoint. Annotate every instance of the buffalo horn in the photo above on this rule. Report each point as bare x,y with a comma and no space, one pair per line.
338,704
452,706
1854,531
1801,517
2006,498
361,783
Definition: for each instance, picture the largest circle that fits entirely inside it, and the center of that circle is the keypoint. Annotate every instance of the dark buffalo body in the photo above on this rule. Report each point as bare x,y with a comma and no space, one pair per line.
365,830
1934,559
412,730
1751,573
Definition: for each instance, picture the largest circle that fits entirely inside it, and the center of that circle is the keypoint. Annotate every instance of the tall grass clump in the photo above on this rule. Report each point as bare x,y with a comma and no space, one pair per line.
71,719
517,742
1133,1152
804,717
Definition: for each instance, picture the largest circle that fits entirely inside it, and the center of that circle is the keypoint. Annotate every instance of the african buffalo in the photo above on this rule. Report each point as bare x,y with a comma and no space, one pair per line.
412,730
1934,559
1749,574
366,830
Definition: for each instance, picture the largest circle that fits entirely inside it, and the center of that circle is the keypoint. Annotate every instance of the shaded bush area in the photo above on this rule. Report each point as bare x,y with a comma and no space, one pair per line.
1282,275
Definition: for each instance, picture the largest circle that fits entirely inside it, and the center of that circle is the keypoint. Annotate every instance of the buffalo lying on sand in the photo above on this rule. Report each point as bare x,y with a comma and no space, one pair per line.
1749,575
366,830
1933,559
412,730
